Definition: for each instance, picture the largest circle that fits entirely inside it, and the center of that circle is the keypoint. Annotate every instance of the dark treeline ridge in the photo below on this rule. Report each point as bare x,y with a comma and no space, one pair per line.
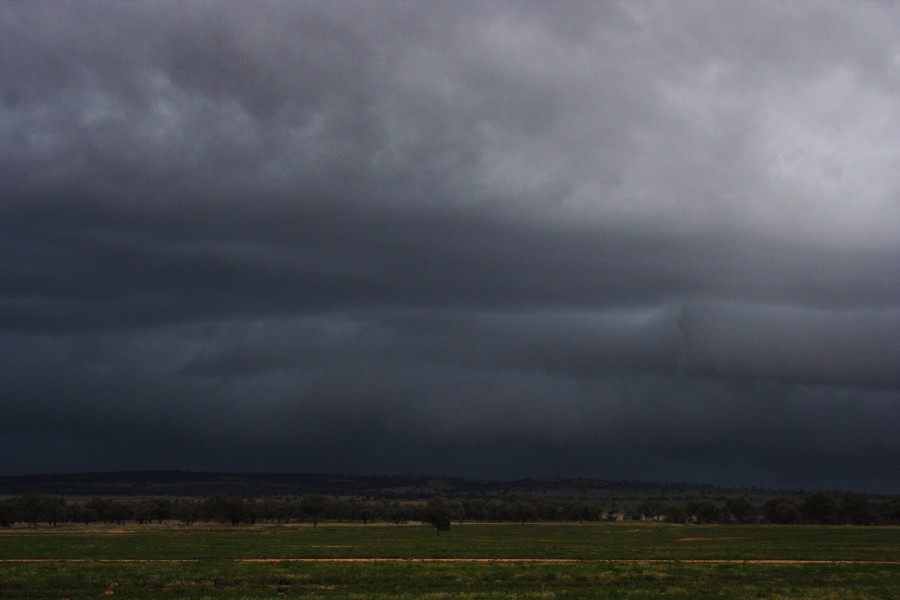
189,497
400,487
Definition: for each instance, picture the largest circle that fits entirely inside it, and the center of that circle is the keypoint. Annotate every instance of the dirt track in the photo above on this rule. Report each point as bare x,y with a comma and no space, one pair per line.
734,561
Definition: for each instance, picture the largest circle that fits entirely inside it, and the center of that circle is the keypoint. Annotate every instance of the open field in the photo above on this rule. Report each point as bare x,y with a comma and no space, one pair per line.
610,560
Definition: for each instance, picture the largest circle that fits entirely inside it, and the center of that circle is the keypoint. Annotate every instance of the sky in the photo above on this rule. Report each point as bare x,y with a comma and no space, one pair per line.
621,240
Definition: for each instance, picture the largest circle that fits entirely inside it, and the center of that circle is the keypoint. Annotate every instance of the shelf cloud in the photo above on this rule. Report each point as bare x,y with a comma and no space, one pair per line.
503,239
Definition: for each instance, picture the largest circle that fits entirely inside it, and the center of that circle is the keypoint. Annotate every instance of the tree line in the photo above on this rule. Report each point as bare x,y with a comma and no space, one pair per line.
814,508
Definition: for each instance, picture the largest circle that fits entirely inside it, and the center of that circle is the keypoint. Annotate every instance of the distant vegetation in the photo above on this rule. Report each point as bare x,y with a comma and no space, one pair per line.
157,496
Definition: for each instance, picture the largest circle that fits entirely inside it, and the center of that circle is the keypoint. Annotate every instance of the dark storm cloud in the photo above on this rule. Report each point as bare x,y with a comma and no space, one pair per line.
613,239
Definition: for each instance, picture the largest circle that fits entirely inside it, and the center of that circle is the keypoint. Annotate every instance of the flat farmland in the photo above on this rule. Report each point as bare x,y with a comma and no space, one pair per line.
608,560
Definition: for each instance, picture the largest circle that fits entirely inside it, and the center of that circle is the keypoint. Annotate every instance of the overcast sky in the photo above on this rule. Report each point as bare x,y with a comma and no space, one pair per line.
642,240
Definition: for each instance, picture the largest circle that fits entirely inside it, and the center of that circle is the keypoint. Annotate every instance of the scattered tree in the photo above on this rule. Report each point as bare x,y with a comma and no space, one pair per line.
704,511
739,507
675,513
856,509
782,511
581,512
650,509
7,514
315,506
819,508
891,509
225,509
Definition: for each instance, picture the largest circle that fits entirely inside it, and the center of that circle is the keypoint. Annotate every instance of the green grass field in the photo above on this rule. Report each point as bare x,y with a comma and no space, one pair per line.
210,561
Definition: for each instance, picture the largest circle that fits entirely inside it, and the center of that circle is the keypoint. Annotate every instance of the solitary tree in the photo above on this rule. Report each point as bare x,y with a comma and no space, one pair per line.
439,514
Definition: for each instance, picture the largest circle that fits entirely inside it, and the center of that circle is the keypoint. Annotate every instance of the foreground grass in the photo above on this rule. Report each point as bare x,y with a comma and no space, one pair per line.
569,541
214,570
221,579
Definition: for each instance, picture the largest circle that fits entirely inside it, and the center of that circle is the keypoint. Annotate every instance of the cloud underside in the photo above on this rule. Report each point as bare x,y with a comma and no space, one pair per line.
610,239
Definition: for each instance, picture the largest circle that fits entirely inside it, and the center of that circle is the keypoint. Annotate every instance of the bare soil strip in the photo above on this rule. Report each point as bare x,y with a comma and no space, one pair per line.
724,561
712,539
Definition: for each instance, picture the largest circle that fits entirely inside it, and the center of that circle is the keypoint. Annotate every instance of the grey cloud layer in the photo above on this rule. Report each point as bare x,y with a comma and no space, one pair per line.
441,229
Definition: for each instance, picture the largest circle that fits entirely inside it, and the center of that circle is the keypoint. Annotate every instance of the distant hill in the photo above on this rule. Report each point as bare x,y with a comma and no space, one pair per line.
392,487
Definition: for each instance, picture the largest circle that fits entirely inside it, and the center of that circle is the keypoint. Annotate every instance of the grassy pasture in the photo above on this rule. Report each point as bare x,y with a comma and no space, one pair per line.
91,562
